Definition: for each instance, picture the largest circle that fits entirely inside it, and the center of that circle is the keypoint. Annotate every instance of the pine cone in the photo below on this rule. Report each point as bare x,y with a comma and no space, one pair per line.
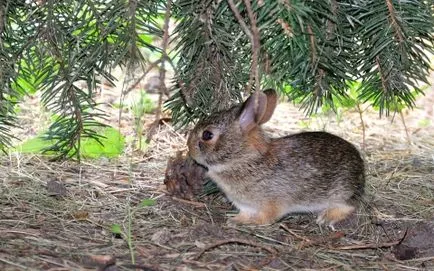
184,178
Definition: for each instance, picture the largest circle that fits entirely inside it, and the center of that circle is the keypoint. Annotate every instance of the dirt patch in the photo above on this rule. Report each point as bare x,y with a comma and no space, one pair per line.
419,242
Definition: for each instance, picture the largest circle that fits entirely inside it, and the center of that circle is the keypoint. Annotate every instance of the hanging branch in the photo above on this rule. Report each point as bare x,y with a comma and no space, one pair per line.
164,57
256,46
2,24
254,36
240,19
393,21
137,82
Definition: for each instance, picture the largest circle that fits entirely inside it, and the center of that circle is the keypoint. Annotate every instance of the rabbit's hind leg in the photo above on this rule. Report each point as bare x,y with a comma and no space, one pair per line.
334,214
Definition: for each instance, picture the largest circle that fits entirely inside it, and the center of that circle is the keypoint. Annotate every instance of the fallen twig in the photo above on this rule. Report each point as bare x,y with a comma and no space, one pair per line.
369,246
374,246
33,233
306,242
194,203
283,226
236,241
319,241
143,267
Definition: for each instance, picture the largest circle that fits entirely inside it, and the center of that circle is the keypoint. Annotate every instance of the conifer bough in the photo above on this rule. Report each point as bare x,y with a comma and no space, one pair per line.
310,50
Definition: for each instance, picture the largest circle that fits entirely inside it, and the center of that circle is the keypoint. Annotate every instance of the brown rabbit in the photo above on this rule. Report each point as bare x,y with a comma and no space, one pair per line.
267,178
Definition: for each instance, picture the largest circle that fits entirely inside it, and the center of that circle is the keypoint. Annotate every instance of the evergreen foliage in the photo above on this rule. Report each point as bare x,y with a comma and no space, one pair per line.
310,50
53,46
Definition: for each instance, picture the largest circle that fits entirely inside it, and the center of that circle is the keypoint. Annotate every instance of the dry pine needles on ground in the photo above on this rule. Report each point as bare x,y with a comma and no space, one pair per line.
59,216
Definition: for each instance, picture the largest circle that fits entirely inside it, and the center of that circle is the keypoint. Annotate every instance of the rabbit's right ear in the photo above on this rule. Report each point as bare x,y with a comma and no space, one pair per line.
271,105
257,109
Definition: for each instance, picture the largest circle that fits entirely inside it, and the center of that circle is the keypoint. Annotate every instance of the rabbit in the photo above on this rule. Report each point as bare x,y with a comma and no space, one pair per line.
267,178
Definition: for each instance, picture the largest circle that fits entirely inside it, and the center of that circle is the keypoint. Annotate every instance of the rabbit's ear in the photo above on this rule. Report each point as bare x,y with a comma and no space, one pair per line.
271,105
253,111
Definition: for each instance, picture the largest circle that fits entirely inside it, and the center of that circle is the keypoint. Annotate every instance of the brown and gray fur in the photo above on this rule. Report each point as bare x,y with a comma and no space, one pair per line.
267,178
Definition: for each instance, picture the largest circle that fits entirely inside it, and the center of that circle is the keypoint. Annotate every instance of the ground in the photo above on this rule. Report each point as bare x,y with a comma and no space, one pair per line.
59,215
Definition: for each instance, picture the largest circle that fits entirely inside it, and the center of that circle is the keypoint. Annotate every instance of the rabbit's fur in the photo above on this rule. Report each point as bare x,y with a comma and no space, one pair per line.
266,178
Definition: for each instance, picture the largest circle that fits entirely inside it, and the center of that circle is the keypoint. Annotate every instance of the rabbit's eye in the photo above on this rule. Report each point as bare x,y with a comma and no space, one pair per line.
207,135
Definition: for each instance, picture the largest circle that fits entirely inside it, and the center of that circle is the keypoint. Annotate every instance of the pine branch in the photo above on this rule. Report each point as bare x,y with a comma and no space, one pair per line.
10,95
309,46
209,69
256,46
395,40
254,36
162,73
54,45
309,50
240,20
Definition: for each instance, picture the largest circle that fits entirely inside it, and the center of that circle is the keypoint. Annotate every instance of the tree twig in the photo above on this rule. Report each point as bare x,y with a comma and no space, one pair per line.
150,67
306,242
375,246
405,127
322,240
283,226
240,19
251,35
359,110
164,57
369,246
194,203
235,241
256,46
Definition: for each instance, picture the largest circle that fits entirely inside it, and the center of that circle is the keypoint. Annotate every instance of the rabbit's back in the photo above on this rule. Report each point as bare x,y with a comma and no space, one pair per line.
319,164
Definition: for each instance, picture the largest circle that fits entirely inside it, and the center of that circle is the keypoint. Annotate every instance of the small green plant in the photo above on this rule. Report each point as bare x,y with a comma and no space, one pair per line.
305,124
126,234
144,105
111,144
117,105
423,123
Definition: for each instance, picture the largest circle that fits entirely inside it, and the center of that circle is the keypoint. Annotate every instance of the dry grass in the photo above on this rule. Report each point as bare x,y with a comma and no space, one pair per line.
46,228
